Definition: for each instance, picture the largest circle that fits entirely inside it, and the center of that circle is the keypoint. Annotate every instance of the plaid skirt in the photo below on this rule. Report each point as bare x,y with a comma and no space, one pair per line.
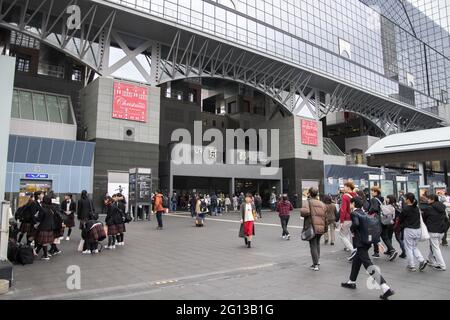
45,237
69,221
97,232
59,233
28,228
113,230
121,228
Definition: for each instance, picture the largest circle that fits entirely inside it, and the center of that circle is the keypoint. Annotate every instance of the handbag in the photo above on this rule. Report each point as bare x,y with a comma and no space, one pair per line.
308,233
424,230
241,231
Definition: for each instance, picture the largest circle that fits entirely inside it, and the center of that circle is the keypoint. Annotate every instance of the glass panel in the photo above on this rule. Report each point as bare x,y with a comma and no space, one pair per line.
33,150
65,110
53,109
57,152
46,151
15,106
78,154
26,107
68,153
39,107
21,149
11,148
88,154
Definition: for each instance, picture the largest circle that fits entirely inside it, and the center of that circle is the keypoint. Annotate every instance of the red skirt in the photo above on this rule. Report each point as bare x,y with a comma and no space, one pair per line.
248,228
28,228
45,237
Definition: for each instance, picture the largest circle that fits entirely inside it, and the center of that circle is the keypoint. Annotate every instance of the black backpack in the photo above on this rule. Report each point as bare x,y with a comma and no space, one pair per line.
13,247
18,215
203,206
24,255
373,229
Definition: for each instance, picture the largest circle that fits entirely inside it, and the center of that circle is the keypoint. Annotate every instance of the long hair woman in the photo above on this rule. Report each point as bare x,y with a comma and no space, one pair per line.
45,228
27,221
121,205
113,218
410,224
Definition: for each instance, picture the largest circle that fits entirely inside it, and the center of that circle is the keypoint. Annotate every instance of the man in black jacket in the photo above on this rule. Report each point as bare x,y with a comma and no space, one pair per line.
434,217
362,243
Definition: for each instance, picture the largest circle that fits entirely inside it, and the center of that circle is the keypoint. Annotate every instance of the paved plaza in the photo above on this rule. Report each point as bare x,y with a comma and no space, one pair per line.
184,262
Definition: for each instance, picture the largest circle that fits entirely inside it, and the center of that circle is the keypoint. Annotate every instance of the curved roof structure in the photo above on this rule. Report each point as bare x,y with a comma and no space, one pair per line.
412,141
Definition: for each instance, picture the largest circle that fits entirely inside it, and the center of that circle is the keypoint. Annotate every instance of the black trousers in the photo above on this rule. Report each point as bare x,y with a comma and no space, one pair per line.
387,231
362,258
159,218
284,224
314,246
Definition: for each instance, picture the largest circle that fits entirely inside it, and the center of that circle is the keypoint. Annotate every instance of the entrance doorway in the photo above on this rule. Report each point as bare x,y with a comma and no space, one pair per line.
29,187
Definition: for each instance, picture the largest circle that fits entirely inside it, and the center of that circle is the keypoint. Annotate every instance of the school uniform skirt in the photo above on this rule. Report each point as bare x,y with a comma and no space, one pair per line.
96,233
69,221
121,228
113,230
28,228
45,237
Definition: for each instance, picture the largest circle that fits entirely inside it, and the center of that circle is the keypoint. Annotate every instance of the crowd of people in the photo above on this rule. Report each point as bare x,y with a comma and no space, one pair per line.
359,221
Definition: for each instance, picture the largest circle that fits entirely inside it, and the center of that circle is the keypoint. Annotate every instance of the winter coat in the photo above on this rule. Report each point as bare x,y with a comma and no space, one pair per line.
284,208
84,208
435,218
314,211
46,219
330,210
113,215
159,203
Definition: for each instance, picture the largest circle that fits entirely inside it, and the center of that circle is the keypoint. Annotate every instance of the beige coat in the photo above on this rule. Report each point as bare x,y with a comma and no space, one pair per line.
316,212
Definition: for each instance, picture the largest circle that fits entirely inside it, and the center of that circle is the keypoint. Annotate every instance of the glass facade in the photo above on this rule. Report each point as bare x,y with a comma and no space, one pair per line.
382,55
39,106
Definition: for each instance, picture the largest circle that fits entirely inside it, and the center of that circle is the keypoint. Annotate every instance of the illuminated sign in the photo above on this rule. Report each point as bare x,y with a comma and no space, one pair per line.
130,102
309,133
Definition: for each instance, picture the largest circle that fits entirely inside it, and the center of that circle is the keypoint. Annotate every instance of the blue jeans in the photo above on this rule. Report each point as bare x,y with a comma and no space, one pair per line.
173,206
214,210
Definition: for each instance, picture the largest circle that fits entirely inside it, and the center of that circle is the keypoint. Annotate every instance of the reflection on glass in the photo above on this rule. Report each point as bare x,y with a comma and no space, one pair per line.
39,107
53,109
26,105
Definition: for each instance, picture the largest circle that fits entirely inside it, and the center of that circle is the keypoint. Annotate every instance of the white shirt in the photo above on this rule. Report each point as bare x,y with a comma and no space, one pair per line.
248,212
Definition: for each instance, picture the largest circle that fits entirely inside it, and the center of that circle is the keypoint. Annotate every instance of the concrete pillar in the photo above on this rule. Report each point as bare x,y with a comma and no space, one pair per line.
232,187
7,65
422,173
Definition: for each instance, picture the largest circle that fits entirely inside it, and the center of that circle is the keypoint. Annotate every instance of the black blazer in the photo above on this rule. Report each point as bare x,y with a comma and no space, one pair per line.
113,215
84,208
435,218
46,219
72,206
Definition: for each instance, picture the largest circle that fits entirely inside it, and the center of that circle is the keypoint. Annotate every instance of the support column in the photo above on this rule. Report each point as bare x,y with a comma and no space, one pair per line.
7,65
232,187
422,178
446,177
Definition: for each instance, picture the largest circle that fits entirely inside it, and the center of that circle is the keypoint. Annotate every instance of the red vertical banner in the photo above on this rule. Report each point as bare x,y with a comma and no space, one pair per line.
130,102
310,133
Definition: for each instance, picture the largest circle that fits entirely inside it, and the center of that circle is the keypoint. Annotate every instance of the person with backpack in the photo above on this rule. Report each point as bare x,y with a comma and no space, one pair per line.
214,204
385,214
159,208
45,227
284,208
69,207
313,211
363,240
200,211
412,233
25,215
331,218
435,218
125,217
112,221
174,202
391,200
258,205
345,218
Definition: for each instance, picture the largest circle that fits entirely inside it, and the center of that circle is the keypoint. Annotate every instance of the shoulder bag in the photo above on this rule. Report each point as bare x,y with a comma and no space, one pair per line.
308,233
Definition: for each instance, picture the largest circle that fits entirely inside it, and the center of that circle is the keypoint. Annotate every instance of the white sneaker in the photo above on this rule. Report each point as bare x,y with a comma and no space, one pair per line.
61,238
86,252
284,237
95,251
113,247
67,239
288,237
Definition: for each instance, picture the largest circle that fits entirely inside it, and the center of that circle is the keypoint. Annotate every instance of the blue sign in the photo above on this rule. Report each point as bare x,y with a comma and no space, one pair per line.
36,176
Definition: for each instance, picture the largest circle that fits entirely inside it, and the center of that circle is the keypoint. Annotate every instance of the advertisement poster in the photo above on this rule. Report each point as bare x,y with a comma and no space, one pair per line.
309,132
130,102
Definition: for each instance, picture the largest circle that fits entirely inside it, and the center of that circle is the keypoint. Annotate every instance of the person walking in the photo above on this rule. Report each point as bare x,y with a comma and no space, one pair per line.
410,224
331,215
174,202
396,227
45,227
435,218
159,208
363,243
248,218
192,204
284,208
200,211
314,213
214,204
258,205
345,218
69,207
227,204
447,206
235,202
273,201
27,220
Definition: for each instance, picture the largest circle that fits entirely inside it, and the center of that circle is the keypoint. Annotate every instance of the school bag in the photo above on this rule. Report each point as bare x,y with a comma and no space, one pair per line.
373,229
24,255
387,214
165,201
203,206
13,247
18,215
